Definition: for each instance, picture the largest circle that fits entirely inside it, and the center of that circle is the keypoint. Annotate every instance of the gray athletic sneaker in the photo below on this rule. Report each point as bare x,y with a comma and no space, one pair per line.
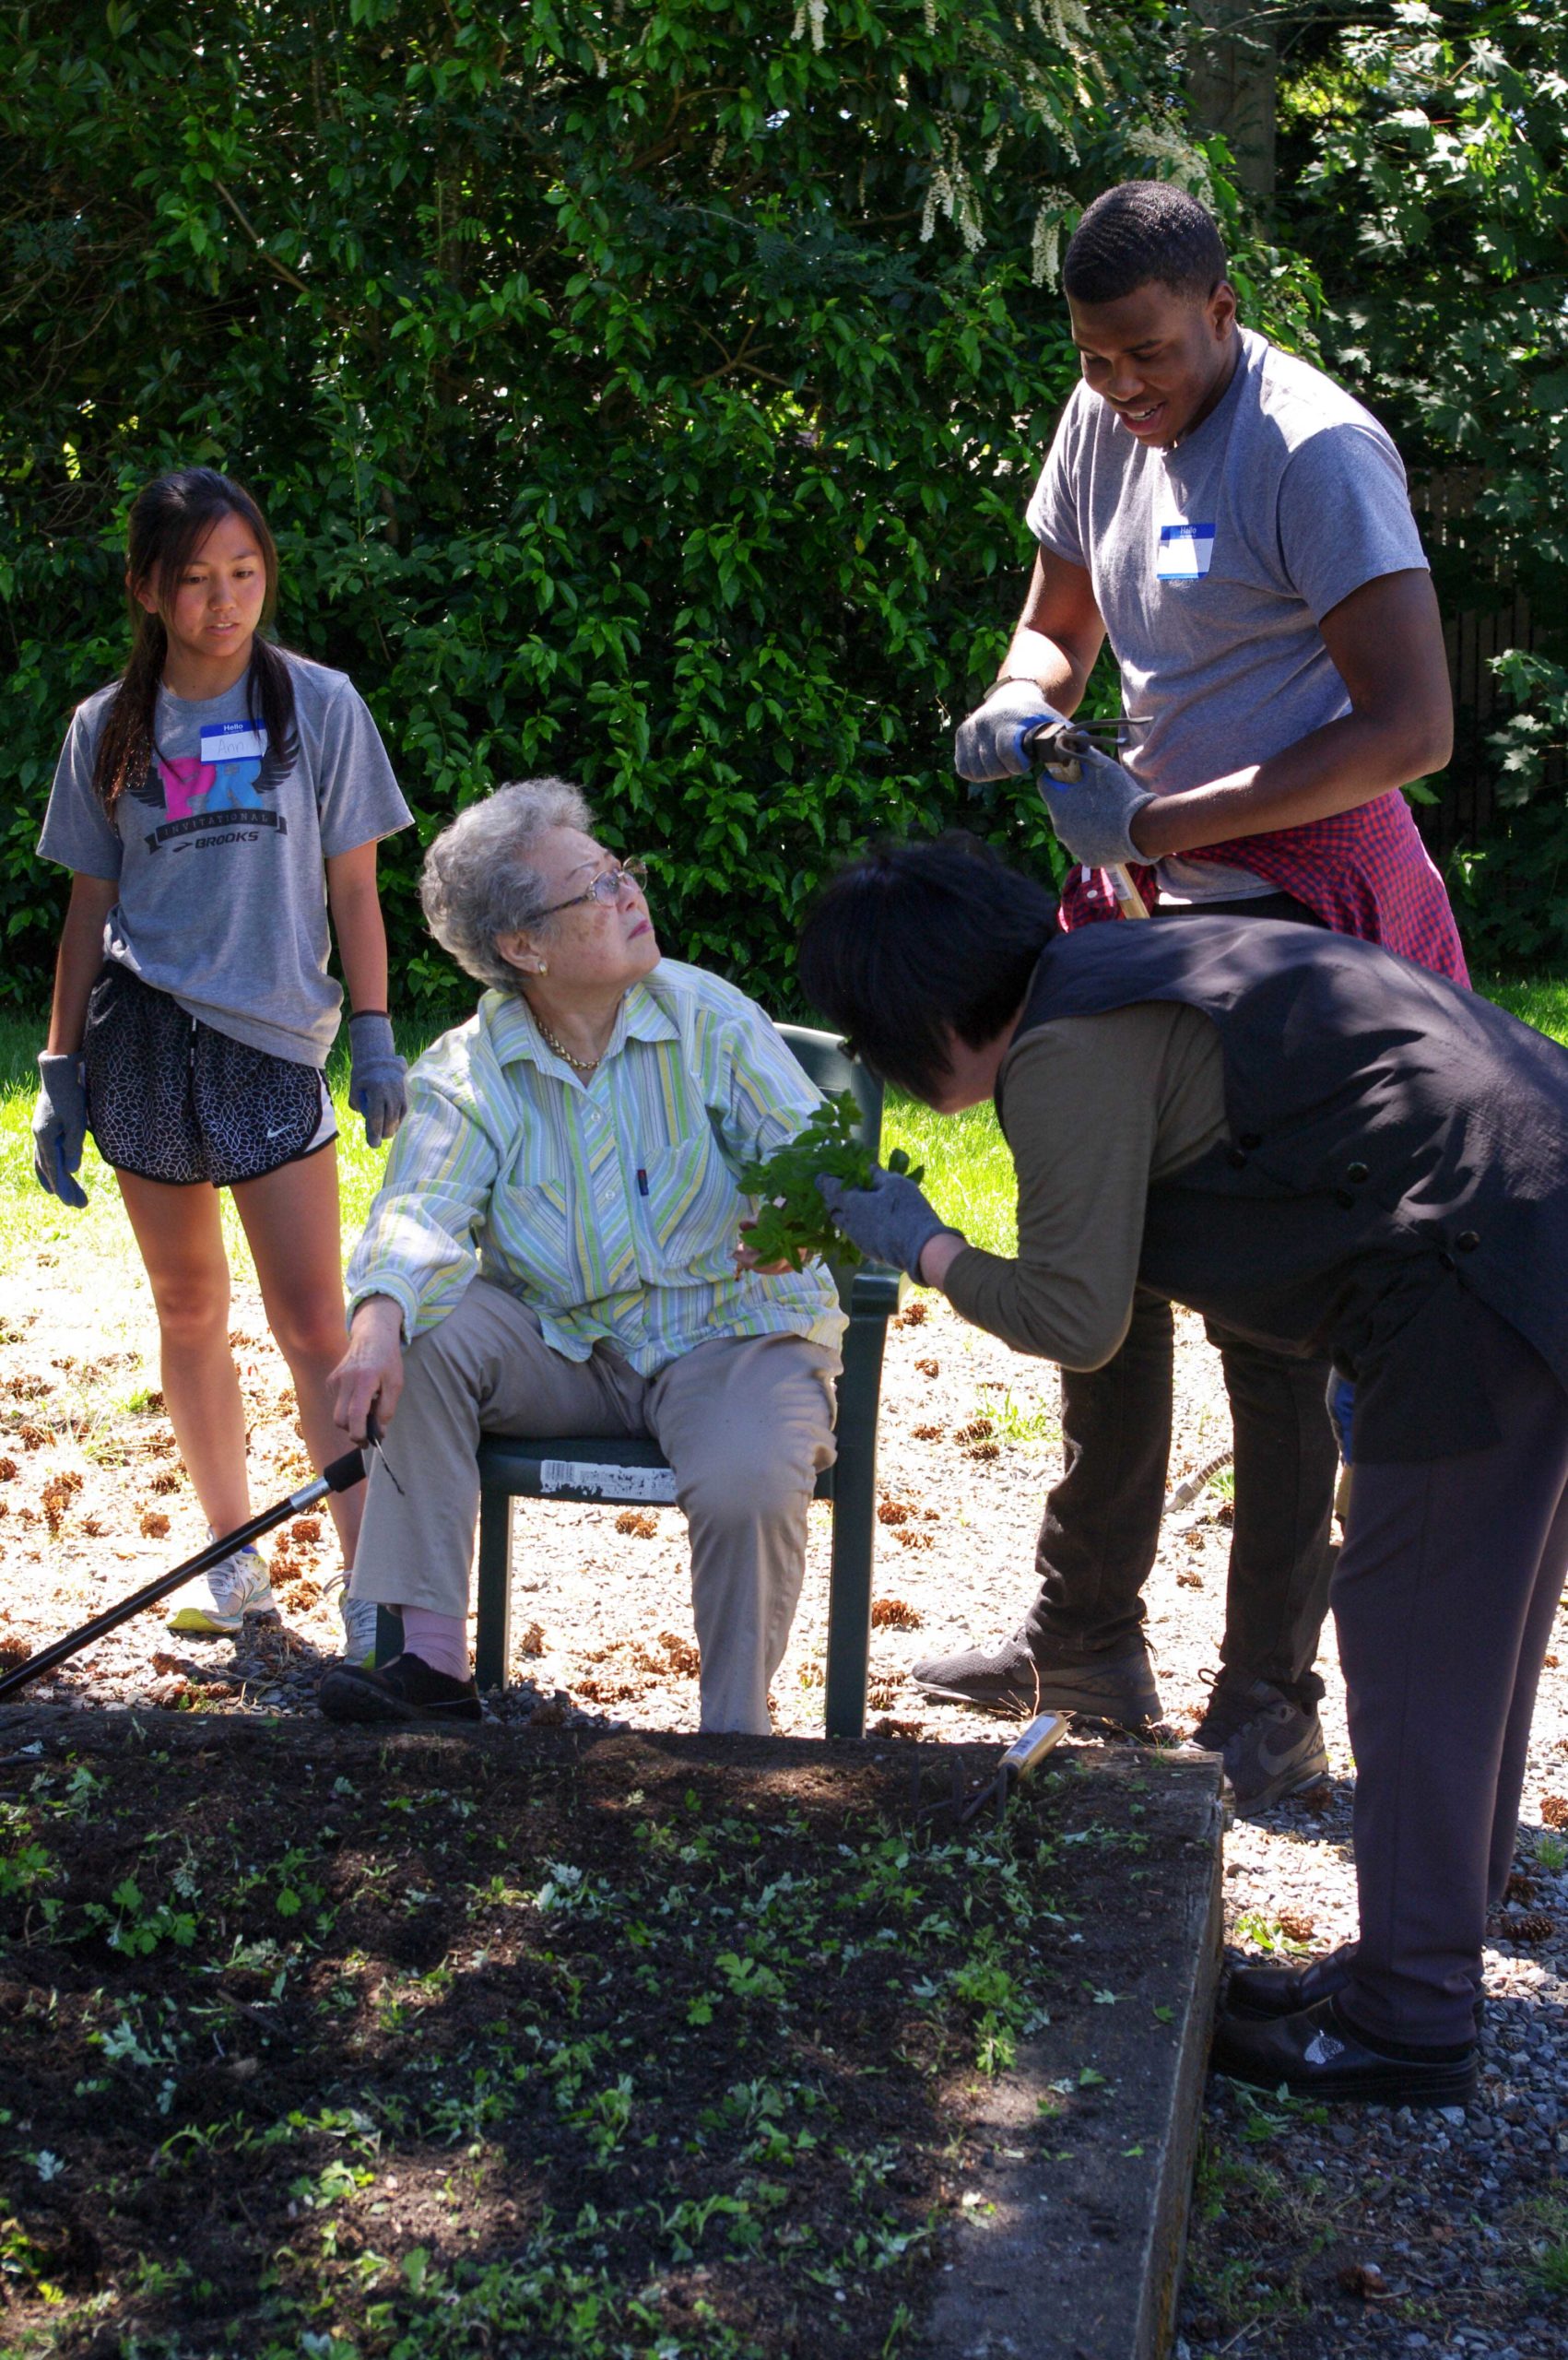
1015,1680
1271,1746
217,1603
358,1627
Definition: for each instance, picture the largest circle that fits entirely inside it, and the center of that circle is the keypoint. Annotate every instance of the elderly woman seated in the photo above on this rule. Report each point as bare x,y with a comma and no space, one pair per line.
553,1252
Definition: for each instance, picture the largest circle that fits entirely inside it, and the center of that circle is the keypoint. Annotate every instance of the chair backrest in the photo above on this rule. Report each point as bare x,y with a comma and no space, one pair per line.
825,1059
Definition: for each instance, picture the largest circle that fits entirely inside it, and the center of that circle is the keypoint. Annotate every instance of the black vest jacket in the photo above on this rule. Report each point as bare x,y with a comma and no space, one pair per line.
1398,1148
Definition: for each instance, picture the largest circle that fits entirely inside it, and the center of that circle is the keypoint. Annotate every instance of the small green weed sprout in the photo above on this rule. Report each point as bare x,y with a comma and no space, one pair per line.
1268,1934
1020,1421
23,1864
1549,2251
133,1927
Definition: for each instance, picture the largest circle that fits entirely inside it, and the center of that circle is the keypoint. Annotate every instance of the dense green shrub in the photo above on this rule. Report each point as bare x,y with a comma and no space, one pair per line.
1424,169
647,393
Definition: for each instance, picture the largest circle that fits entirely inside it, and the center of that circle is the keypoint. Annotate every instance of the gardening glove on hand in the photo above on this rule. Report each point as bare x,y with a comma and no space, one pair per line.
377,1076
891,1222
1093,814
990,743
59,1127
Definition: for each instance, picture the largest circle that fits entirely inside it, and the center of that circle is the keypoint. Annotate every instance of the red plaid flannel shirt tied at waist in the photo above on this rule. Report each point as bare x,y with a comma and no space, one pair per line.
1363,872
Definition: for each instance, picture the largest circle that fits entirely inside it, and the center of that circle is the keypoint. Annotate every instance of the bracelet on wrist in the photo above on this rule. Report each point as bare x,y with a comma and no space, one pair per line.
1016,681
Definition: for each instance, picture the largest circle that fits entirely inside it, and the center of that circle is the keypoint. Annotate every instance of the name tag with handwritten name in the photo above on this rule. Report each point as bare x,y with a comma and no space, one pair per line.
234,741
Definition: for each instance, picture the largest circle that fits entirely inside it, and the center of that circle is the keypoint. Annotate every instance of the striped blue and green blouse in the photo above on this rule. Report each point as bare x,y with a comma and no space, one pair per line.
608,1206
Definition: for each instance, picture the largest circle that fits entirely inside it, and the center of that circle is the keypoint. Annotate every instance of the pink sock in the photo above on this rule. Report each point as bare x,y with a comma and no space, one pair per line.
440,1640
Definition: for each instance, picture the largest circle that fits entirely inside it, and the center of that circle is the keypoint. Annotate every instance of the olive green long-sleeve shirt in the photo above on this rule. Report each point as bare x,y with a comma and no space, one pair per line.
1094,1108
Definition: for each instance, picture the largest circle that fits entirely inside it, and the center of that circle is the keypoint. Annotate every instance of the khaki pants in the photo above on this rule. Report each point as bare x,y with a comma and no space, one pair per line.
746,1423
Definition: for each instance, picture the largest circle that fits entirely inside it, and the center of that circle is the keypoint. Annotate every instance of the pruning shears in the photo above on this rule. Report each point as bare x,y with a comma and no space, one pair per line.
375,1441
1057,746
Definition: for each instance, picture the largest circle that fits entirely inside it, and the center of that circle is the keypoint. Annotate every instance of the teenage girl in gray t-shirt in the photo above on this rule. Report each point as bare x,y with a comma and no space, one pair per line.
215,805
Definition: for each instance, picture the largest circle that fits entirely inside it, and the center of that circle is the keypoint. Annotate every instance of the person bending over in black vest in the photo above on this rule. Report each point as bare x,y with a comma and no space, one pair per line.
1338,1153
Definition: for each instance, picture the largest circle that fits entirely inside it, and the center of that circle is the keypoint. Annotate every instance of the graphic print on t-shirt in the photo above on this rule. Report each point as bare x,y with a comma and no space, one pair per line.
1184,552
218,789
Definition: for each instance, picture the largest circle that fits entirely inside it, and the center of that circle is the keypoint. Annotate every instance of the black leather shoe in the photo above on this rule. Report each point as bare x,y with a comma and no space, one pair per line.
1267,1991
1317,2054
407,1689
1011,1679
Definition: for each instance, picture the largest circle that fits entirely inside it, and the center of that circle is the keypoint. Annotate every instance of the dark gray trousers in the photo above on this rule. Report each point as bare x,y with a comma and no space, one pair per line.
1101,1530
1443,1600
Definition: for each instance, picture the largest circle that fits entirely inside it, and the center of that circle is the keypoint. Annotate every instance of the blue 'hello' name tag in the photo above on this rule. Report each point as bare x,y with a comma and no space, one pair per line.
234,741
1184,552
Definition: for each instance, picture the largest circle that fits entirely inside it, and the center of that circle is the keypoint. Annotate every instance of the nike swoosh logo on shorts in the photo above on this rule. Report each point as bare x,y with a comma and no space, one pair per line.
278,1134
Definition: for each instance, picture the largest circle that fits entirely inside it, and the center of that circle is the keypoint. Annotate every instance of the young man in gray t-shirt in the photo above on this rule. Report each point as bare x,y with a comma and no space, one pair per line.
1238,526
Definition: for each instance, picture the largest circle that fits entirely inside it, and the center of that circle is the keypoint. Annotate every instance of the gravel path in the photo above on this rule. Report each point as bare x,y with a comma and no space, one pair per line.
1318,2232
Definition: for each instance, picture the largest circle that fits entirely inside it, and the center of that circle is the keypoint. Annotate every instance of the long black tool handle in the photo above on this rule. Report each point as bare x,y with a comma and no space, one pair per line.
341,1476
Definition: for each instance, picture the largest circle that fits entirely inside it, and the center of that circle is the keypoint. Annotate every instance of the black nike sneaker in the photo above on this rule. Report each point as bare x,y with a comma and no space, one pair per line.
1011,1679
1271,1745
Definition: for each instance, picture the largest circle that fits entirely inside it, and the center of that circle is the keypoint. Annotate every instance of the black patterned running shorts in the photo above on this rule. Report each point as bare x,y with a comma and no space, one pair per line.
169,1099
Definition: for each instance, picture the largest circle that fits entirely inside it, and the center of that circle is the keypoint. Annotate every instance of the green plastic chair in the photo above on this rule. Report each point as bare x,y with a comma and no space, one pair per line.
596,1469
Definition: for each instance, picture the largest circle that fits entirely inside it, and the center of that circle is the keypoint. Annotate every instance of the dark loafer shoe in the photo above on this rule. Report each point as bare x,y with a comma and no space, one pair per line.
1267,1991
1011,1679
407,1689
1315,2054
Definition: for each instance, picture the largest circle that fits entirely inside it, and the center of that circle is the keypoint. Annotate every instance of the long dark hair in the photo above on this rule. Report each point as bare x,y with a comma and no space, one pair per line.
171,519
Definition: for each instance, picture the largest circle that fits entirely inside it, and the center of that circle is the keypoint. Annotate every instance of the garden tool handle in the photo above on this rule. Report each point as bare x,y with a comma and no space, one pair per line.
1055,737
340,1475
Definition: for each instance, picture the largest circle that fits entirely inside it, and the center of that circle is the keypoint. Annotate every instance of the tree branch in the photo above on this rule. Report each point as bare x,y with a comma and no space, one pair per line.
257,239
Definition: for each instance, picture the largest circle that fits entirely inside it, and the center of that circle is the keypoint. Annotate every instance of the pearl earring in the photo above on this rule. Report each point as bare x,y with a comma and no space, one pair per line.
542,969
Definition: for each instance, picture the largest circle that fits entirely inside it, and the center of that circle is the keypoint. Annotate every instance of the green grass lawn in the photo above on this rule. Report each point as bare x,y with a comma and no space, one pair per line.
30,1219
967,1170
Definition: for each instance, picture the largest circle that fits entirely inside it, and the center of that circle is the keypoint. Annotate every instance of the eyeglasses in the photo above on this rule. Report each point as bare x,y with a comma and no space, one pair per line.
606,887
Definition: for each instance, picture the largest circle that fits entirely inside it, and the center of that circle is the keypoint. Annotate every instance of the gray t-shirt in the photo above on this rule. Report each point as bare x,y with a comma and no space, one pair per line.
222,890
1213,564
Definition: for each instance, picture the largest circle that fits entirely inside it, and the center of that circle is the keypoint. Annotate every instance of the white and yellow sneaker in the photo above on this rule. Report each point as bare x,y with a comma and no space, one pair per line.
219,1600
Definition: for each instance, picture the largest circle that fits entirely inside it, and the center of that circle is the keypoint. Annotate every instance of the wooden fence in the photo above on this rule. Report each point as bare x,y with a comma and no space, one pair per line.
1472,636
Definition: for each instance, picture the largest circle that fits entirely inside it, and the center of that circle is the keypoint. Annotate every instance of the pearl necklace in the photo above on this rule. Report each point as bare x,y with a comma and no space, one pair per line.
578,1065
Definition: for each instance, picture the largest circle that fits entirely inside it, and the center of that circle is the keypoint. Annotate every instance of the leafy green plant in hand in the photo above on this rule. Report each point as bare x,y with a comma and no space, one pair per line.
793,1223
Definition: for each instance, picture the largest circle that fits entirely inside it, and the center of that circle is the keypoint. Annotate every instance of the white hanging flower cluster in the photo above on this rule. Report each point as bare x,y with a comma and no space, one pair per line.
1164,143
1045,245
1066,22
815,14
951,194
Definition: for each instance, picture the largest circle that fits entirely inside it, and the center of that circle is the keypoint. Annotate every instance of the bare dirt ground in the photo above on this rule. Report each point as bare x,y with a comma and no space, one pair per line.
1318,2231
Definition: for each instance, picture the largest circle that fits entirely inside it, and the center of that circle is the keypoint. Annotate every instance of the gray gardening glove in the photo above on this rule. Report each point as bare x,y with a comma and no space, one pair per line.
891,1222
1093,811
990,743
59,1127
377,1076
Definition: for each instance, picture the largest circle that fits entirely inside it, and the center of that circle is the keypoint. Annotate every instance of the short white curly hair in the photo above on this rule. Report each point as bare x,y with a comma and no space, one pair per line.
479,880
